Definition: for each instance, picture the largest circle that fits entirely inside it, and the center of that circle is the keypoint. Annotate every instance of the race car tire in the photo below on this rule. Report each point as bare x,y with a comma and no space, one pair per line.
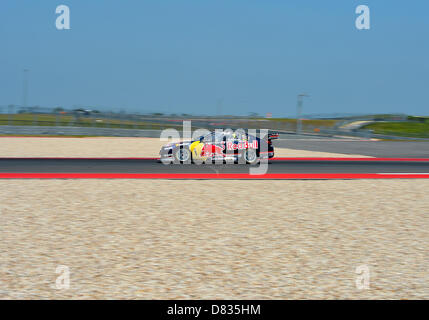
165,161
182,155
250,156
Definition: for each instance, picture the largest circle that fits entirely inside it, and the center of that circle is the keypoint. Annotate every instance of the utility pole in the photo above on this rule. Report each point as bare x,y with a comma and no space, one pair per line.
299,112
219,106
25,89
10,114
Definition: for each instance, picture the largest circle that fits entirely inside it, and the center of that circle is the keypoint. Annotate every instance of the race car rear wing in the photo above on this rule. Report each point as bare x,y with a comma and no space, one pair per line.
272,136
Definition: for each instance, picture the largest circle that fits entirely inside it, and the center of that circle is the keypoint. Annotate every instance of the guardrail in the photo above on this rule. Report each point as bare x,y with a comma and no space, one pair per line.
155,133
76,131
117,132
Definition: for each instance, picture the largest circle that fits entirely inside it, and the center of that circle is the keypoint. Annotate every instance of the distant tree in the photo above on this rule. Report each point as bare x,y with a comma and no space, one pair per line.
58,109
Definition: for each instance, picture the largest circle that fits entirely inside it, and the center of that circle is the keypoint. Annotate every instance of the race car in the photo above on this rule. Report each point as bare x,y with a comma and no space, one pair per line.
222,146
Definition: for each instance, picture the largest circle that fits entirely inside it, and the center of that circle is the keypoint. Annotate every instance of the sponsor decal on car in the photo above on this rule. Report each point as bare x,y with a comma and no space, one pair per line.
242,145
203,151
210,150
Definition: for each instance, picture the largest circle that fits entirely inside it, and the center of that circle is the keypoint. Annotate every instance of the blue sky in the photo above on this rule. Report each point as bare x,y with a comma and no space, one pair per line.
183,56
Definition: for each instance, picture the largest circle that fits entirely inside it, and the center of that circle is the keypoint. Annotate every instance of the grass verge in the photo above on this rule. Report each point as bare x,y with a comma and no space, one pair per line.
402,129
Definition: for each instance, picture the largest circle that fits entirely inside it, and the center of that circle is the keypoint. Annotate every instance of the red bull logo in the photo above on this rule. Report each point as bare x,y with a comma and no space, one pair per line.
242,145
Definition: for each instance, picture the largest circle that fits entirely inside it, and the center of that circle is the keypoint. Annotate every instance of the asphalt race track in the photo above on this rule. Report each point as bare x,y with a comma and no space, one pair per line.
65,165
402,149
281,168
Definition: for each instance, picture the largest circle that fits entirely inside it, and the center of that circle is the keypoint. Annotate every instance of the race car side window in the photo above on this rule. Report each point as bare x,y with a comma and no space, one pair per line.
208,137
213,137
218,137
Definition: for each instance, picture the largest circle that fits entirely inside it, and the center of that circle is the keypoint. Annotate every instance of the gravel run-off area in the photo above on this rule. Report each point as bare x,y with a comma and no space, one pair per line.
169,239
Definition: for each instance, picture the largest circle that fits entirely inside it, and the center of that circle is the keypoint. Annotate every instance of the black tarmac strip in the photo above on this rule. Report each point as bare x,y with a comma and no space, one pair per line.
380,149
31,165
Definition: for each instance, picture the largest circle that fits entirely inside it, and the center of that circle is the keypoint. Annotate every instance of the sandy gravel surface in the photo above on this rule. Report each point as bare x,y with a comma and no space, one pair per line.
156,239
109,147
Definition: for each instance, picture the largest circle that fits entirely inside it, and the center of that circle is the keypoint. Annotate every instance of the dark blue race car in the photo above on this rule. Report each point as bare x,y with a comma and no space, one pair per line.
221,146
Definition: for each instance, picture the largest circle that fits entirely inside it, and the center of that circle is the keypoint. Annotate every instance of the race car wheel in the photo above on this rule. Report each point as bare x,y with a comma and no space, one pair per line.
165,161
250,156
182,155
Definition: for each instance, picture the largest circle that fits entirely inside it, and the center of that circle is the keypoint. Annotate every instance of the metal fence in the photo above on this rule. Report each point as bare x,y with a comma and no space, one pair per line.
17,120
76,131
20,117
